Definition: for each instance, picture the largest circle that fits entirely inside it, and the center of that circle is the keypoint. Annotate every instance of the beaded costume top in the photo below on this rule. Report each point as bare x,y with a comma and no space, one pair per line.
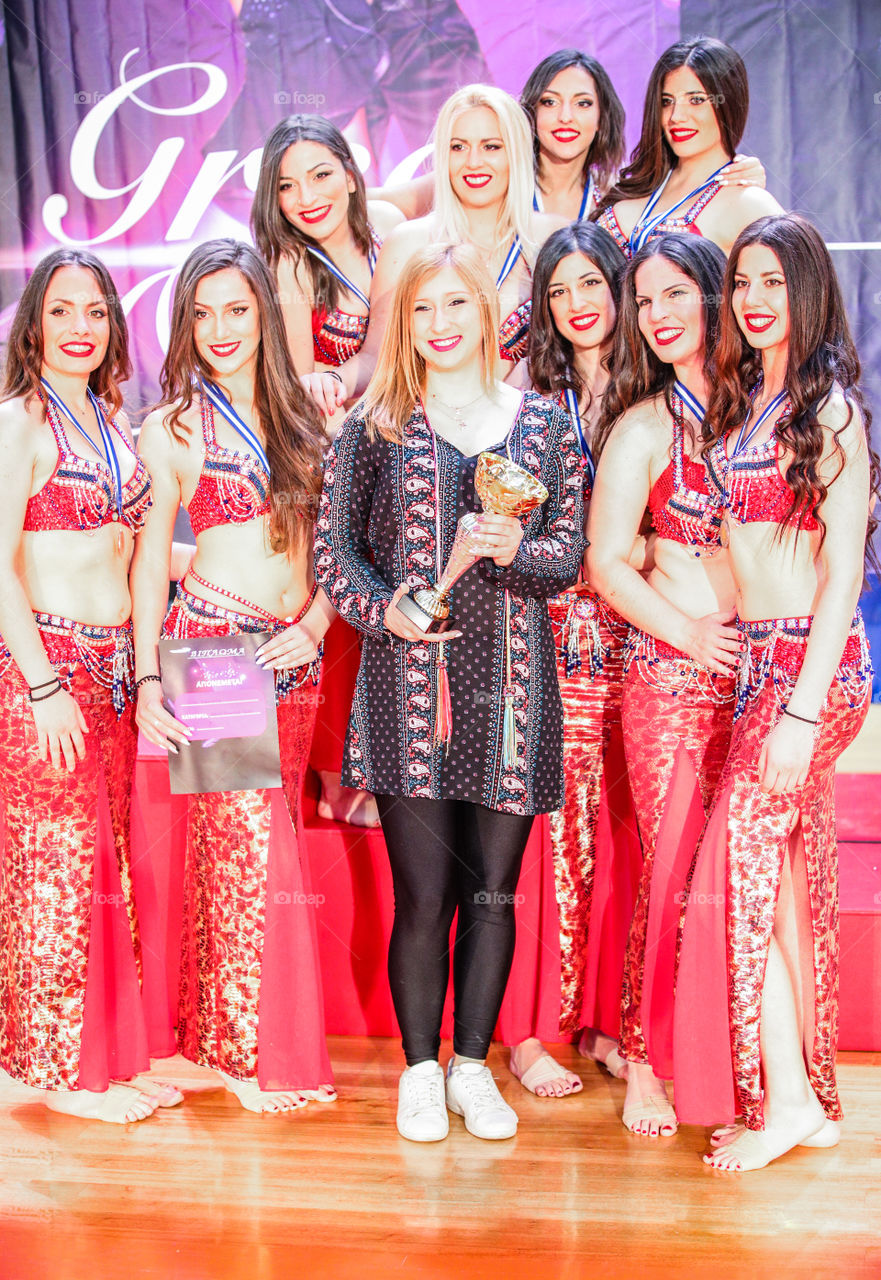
338,335
79,495
233,487
684,507
752,486
608,219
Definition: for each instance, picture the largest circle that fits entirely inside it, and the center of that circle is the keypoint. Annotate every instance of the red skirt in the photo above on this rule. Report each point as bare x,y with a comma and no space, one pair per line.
250,1000
70,1002
732,900
339,671
677,725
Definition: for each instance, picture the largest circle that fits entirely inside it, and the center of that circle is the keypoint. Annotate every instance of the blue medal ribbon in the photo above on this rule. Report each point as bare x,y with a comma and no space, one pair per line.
587,200
690,400
648,219
107,449
744,437
575,415
223,407
341,275
510,260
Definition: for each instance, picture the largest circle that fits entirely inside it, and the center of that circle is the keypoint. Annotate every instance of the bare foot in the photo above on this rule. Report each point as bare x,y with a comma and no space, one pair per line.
541,1074
118,1105
324,1093
344,804
603,1049
166,1095
647,1109
745,1150
253,1098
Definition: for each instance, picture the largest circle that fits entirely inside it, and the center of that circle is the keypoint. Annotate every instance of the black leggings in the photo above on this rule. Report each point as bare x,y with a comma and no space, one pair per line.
449,854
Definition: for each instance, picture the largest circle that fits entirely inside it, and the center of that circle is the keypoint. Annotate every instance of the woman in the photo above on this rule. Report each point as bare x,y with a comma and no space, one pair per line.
596,853
75,496
459,736
237,441
696,107
313,225
678,697
788,434
483,197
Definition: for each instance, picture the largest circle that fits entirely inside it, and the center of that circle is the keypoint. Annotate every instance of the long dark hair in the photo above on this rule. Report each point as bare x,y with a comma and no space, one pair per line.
638,374
606,152
821,356
24,353
274,235
291,422
551,356
722,73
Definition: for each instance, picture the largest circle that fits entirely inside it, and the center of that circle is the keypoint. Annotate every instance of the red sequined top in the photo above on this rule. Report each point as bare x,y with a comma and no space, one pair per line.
79,495
683,506
752,487
514,333
233,487
338,335
608,219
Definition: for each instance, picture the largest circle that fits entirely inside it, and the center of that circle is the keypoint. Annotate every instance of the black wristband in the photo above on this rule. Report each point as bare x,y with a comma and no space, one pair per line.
41,697
45,685
333,373
793,716
146,680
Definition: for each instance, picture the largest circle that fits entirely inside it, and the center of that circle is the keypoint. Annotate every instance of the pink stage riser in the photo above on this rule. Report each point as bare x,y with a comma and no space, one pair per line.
352,883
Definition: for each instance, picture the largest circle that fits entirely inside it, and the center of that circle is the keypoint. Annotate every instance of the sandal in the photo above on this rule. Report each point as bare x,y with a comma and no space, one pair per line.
654,1107
544,1070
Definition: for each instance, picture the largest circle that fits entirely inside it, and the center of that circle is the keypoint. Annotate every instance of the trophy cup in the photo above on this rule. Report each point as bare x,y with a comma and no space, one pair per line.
504,489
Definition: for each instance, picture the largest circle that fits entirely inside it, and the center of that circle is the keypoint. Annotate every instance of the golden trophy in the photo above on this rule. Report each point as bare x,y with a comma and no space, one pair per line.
504,489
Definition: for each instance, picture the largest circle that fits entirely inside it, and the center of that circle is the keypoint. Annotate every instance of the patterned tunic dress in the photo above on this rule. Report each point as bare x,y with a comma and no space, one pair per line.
376,528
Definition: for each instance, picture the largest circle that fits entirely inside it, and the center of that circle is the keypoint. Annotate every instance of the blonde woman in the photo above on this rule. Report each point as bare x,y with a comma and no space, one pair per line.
483,196
458,736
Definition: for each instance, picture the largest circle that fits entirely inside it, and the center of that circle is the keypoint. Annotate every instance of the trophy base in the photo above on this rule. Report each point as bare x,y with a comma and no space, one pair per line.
421,618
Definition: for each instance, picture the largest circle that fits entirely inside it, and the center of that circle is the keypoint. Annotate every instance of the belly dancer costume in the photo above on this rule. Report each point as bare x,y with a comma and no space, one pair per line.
514,329
250,992
596,850
677,723
749,834
70,1002
651,225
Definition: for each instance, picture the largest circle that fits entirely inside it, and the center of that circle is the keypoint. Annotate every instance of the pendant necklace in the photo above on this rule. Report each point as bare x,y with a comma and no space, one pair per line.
456,411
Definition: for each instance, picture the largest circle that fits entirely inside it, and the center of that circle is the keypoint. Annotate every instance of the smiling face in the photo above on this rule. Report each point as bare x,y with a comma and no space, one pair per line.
688,118
478,159
581,302
226,322
75,323
760,300
445,323
670,311
314,189
567,115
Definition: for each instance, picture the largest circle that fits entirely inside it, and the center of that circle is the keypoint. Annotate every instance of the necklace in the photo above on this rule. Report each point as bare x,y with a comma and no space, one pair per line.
455,411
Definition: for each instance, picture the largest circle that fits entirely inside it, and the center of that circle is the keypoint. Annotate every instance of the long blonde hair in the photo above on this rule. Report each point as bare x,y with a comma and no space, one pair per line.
399,378
514,130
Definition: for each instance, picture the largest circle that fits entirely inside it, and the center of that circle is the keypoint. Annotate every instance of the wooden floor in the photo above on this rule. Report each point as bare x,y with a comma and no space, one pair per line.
208,1190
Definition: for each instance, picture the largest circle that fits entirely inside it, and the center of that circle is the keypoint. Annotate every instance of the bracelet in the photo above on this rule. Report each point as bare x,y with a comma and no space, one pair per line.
333,373
45,685
43,696
793,716
146,680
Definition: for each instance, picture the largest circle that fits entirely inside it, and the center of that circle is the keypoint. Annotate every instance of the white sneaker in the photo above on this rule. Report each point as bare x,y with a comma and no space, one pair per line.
472,1093
422,1113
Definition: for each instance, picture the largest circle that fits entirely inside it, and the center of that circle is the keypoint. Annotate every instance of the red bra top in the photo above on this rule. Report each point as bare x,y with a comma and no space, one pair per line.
752,487
338,335
514,333
80,494
233,487
685,222
684,508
